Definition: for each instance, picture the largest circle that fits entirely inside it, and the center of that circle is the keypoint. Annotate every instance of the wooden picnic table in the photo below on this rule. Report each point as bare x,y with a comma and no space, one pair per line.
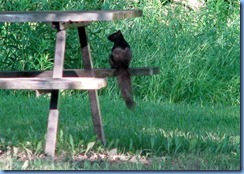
59,78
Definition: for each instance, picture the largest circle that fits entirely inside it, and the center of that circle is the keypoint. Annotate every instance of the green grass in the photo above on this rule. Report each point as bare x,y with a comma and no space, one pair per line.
187,118
173,137
198,52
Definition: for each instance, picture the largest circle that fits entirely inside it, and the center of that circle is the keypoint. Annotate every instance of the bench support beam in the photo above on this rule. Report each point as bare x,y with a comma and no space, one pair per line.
54,112
52,126
94,101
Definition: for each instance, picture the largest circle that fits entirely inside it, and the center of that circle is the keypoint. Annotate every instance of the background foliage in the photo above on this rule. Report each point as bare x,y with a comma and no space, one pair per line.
198,52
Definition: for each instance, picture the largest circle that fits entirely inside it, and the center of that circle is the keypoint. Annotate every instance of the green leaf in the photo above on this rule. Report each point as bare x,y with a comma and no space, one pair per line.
39,147
89,146
25,165
61,135
71,141
193,144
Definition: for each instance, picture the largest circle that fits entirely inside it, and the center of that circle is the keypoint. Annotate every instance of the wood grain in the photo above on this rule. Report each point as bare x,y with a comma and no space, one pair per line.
52,83
52,126
93,95
68,16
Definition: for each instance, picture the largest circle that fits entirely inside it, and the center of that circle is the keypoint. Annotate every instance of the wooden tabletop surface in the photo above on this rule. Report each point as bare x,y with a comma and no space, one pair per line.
68,16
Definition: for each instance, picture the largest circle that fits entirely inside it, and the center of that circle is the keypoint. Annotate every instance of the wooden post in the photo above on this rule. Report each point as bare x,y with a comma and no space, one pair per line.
94,101
53,111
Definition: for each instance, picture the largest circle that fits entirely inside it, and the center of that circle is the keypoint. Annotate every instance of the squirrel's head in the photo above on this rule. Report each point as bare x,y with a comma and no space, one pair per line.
113,37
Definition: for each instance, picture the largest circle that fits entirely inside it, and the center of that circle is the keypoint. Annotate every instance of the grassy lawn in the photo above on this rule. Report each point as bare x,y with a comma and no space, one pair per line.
155,136
187,117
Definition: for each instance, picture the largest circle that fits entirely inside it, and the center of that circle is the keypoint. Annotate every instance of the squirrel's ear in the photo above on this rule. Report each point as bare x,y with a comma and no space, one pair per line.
119,32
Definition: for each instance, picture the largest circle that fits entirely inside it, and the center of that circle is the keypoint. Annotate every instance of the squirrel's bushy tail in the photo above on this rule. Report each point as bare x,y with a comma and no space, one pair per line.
124,83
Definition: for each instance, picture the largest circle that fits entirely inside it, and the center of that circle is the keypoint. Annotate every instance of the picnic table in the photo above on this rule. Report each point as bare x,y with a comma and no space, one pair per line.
89,78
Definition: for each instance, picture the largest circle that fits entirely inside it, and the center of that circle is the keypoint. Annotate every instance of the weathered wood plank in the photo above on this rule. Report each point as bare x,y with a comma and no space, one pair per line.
59,54
93,95
66,16
52,83
99,73
52,126
67,25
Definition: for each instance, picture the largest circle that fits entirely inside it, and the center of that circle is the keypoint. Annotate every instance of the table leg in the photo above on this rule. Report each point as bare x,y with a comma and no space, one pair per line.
94,100
52,124
54,112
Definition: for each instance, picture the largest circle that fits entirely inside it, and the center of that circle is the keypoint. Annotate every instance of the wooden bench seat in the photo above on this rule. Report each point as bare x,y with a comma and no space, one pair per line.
99,73
83,83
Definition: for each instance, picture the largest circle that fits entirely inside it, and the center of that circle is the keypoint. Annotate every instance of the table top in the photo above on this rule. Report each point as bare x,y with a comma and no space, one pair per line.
68,16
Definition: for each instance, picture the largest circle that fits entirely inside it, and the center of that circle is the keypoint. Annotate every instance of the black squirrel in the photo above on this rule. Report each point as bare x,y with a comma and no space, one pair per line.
120,59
